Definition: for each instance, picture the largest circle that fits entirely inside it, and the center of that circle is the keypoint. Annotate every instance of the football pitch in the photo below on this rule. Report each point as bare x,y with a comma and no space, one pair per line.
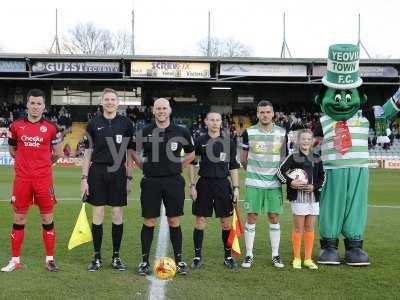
213,280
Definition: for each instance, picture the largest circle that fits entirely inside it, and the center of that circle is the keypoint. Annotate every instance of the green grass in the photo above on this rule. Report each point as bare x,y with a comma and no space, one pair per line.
212,281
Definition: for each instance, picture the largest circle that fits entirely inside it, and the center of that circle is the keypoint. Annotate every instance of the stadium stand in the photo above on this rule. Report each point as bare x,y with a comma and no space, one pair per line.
235,122
73,139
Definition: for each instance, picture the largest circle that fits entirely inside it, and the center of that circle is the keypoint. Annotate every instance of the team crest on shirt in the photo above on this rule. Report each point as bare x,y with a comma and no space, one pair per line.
259,147
118,138
174,146
43,129
222,156
276,148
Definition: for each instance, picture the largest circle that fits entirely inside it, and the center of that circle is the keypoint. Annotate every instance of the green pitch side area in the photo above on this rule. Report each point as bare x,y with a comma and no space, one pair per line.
212,281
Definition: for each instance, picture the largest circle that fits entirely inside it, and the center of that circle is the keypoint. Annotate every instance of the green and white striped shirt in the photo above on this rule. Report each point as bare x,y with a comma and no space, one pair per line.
264,155
357,155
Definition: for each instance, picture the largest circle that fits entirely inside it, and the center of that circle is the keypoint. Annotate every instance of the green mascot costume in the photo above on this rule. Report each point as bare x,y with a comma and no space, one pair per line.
344,198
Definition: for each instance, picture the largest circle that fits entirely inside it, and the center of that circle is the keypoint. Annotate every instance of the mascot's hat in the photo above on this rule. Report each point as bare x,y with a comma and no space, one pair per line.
342,70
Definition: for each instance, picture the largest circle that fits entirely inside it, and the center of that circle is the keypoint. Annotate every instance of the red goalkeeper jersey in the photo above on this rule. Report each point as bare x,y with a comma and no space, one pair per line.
33,142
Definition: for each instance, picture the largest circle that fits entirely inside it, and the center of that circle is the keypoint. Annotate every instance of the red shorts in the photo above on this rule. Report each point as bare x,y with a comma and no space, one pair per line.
33,191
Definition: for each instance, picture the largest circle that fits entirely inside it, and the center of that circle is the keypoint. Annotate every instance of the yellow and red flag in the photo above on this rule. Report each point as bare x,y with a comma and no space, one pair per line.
235,233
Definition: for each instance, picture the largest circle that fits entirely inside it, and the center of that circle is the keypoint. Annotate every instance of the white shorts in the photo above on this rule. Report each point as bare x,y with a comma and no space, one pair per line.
305,209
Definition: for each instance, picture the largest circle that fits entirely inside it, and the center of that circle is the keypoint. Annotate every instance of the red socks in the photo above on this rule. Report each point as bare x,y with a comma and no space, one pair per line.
17,239
49,238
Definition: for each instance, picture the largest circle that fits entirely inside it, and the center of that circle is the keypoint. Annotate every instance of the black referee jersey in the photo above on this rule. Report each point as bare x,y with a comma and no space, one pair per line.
162,149
107,136
217,156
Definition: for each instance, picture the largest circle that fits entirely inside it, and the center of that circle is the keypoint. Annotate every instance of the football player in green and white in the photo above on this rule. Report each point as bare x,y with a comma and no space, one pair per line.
261,156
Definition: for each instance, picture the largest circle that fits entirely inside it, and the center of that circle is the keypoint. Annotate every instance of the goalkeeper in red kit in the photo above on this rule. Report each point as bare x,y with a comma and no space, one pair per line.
35,144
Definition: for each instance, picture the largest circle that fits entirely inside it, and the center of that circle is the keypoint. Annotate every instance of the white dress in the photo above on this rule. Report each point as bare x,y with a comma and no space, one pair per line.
305,204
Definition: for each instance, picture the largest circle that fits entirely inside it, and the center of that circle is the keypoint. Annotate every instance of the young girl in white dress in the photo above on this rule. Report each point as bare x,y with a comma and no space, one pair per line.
304,175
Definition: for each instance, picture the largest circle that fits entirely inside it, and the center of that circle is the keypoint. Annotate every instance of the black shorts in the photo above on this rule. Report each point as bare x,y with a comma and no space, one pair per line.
169,189
107,188
213,193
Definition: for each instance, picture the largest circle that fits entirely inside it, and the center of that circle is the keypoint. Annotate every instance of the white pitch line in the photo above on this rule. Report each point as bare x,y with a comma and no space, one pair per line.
58,199
384,206
157,286
188,199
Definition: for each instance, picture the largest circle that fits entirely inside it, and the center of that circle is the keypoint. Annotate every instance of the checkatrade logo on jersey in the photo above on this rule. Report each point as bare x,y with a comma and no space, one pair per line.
32,141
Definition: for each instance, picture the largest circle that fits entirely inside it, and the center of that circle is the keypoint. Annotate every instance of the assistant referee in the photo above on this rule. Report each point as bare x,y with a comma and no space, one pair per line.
105,179
162,143
213,191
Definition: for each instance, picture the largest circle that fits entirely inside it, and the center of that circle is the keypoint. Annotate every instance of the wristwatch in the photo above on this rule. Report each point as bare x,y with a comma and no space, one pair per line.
84,177
129,177
236,187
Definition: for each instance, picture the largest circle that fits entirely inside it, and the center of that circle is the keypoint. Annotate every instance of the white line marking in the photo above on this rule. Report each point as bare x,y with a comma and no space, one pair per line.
384,206
157,286
188,199
58,199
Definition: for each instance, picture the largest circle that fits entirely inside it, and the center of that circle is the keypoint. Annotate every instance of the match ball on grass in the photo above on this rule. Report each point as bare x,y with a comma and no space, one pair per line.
164,268
298,174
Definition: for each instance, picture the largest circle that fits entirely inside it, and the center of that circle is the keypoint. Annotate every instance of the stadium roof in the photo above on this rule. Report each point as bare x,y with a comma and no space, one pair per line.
200,69
21,56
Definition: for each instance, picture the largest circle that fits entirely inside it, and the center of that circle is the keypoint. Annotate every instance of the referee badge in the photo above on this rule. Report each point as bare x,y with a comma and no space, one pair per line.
118,138
174,146
222,156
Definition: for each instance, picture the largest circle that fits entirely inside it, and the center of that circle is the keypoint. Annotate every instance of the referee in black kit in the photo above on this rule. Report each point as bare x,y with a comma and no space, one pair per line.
105,179
162,143
213,191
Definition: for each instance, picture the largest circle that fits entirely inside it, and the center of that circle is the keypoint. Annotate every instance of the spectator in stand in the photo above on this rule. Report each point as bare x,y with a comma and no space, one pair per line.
129,113
69,122
3,133
148,115
67,150
80,148
62,122
371,136
98,111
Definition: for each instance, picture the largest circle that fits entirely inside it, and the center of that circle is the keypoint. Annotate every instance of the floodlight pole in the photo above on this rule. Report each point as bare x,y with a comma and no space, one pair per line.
133,33
209,34
359,42
285,46
55,46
